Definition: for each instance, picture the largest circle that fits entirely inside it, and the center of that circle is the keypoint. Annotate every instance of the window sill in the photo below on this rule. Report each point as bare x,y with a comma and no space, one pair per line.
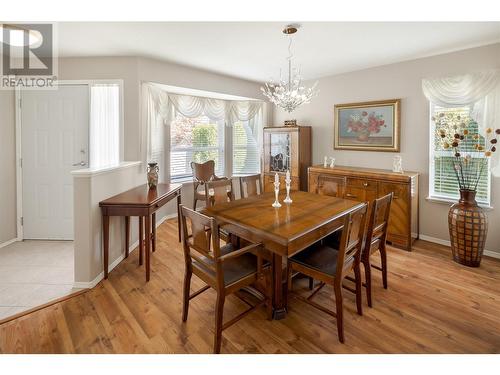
449,201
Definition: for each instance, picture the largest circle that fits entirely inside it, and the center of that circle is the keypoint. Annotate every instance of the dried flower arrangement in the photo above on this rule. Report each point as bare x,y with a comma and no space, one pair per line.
471,150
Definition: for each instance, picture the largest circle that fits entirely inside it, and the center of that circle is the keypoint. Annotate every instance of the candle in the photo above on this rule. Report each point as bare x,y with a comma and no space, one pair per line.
287,176
276,179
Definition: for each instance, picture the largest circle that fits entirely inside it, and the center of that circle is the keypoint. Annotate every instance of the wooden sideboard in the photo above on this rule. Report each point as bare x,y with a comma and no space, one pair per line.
366,184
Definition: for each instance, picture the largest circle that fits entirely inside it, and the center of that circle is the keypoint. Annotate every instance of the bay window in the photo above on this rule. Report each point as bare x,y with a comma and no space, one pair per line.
179,129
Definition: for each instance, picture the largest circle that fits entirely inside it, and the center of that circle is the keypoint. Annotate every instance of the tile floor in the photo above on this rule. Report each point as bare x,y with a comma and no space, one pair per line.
33,273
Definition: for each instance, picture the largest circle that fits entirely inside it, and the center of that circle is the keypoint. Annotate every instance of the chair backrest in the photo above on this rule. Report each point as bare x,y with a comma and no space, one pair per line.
219,191
378,223
197,244
250,186
351,241
203,172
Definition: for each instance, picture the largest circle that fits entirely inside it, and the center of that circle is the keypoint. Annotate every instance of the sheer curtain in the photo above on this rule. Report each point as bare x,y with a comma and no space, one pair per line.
104,125
480,91
158,103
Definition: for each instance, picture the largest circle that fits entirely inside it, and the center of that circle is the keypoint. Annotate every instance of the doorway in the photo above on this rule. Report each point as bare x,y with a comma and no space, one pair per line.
54,142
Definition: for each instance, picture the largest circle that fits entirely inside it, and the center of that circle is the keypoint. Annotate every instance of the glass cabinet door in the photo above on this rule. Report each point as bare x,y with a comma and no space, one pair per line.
280,152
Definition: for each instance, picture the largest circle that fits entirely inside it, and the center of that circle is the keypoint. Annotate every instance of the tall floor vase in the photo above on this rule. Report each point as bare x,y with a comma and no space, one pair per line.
468,229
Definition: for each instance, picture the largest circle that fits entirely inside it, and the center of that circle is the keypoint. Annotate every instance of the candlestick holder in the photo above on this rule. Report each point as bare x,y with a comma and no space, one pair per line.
288,180
276,203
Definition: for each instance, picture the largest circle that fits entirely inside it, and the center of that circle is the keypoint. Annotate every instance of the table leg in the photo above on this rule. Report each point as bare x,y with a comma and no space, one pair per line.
141,239
127,235
105,234
279,310
153,236
147,232
179,215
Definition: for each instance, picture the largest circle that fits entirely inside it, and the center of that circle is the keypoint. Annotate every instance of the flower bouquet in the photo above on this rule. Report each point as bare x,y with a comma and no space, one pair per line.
365,124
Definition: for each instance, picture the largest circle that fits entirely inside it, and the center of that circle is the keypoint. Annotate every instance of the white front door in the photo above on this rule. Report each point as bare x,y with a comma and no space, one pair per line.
55,141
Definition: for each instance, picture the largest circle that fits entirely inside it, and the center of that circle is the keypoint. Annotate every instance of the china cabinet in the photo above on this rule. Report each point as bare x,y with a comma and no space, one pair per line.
286,148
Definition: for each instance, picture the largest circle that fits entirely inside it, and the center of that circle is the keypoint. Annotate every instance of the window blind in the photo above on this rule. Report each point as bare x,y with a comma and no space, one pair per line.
443,181
246,155
195,139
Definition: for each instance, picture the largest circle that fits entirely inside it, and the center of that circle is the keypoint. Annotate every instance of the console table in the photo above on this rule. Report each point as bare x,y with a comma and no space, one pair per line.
142,202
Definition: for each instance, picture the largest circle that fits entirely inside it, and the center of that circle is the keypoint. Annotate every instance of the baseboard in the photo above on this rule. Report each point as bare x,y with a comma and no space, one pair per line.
492,254
434,240
488,253
7,243
135,245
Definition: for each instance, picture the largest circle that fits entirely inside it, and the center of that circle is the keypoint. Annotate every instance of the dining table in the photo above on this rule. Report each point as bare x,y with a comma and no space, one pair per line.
283,231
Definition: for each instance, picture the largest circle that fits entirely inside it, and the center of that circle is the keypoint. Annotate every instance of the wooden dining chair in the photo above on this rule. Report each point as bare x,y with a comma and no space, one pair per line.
219,191
202,173
250,186
225,269
376,236
331,265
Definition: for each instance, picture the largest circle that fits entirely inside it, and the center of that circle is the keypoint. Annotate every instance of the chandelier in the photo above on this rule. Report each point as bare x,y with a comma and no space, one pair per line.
289,94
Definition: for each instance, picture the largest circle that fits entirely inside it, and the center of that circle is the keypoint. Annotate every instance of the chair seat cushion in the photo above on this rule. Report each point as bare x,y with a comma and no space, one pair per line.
234,269
318,257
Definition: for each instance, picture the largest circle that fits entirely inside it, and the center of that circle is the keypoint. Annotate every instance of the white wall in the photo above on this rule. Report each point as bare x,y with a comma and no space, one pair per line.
402,80
91,188
7,167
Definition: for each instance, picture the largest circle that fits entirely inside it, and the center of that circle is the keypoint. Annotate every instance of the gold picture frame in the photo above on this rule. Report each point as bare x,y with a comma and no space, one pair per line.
368,126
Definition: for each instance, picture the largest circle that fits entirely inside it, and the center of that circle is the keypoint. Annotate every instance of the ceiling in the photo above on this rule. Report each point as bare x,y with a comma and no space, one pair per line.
257,50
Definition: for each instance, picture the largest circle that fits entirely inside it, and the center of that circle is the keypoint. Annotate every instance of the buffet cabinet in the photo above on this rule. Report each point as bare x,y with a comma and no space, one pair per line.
286,148
367,184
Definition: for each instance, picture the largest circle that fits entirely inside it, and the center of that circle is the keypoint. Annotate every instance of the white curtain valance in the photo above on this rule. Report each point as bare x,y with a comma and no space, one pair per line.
230,111
462,90
480,91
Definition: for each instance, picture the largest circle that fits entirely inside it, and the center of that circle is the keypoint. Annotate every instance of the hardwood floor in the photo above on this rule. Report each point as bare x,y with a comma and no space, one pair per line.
433,305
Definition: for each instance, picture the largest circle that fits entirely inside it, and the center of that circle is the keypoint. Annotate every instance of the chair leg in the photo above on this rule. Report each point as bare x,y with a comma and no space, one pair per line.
288,284
269,304
359,287
368,281
339,310
187,289
311,283
383,258
219,309
194,203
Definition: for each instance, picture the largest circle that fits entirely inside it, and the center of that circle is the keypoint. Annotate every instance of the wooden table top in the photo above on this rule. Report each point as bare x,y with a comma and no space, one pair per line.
141,195
291,221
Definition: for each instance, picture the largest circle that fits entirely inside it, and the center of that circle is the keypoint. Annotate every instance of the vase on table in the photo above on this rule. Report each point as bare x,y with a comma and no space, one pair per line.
153,170
468,226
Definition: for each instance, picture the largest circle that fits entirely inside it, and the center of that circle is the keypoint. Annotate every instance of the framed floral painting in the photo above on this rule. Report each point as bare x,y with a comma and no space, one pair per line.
368,126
